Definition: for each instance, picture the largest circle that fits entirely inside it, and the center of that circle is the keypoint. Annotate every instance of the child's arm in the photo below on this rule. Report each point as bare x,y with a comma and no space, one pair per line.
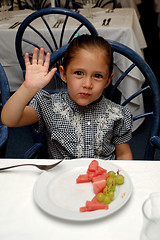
123,152
16,112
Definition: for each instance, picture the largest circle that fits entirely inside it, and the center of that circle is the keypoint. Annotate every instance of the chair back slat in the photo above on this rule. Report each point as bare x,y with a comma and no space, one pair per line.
135,95
124,74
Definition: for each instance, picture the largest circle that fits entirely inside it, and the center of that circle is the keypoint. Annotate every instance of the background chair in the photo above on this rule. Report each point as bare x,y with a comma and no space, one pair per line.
152,141
55,21
8,139
5,94
30,4
106,3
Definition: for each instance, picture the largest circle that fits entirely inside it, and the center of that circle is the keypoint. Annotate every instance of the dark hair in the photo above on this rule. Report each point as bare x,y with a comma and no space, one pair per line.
84,42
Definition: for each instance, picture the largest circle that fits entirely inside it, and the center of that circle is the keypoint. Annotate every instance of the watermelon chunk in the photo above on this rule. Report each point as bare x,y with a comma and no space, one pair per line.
83,178
83,209
100,171
93,166
97,175
103,176
99,186
95,206
94,200
92,206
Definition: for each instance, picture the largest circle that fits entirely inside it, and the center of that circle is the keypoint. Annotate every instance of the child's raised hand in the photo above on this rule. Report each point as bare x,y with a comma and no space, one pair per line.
37,75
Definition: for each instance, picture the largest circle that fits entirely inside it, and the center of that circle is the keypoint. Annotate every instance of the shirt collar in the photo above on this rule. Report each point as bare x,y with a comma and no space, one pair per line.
78,108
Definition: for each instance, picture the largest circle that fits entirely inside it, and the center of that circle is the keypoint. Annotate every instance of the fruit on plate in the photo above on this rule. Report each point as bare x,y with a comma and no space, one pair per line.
99,186
93,171
104,185
93,205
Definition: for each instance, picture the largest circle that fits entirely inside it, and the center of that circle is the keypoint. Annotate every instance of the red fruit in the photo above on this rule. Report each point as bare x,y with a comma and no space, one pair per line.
103,176
93,166
94,200
95,206
83,179
90,174
100,171
99,186
83,209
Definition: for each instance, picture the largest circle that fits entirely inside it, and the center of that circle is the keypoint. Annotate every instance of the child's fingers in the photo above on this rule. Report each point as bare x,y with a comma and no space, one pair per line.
26,59
35,55
41,56
51,73
47,60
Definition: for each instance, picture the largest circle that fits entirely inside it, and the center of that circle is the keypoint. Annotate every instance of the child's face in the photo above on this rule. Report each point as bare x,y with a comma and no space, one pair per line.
87,75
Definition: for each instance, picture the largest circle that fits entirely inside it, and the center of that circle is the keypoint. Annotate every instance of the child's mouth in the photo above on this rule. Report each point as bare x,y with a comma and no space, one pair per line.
85,94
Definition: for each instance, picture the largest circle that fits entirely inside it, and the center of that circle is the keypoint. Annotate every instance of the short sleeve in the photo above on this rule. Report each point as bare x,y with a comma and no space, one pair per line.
35,103
122,131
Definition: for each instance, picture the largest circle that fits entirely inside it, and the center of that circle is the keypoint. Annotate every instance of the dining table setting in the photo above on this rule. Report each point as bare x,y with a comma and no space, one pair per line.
48,204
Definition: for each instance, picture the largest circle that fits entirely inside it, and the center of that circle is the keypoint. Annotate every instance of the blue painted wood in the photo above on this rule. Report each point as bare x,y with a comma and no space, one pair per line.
5,94
102,3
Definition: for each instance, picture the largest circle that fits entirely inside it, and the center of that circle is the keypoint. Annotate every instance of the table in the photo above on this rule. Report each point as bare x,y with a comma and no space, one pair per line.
20,218
124,28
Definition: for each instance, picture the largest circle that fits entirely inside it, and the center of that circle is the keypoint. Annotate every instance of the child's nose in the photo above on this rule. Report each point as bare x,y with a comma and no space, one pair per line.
87,82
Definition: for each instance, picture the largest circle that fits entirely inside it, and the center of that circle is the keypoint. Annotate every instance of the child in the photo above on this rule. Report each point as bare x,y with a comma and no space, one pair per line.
81,123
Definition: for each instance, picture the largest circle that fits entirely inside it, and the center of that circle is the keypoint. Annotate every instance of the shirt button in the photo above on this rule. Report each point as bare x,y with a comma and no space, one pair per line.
89,123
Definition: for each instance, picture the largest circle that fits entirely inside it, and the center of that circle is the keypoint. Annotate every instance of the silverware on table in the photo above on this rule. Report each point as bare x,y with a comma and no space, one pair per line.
14,25
42,167
56,25
106,22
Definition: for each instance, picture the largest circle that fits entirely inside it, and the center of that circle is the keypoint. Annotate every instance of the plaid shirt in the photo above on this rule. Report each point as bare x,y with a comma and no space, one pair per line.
75,131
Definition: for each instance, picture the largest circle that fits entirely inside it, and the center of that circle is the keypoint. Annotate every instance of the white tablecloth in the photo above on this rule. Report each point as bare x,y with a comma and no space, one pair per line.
124,28
21,219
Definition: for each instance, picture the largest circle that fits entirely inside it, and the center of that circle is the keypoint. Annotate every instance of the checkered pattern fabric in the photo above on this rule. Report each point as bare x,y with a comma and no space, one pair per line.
75,131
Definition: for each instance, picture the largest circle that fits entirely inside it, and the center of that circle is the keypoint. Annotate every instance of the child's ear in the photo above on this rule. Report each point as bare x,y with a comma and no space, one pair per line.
109,80
62,74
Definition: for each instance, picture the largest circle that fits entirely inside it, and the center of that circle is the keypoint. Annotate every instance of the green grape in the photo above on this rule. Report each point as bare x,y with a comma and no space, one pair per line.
100,197
105,191
111,195
119,179
110,181
112,187
111,173
107,199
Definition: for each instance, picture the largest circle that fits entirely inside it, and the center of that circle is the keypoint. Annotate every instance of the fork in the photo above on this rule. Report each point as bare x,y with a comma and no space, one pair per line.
41,167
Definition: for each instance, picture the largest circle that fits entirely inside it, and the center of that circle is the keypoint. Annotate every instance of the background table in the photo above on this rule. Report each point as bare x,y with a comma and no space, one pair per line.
20,218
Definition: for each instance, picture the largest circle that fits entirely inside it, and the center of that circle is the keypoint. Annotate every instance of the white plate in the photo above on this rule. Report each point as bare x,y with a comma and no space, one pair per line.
57,193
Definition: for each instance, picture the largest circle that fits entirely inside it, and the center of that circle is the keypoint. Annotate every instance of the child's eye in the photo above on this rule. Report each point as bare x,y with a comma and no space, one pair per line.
98,76
79,73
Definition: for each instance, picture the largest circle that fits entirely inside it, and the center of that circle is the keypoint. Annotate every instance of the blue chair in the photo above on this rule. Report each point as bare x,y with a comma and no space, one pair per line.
152,141
103,3
50,43
5,94
30,4
69,4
